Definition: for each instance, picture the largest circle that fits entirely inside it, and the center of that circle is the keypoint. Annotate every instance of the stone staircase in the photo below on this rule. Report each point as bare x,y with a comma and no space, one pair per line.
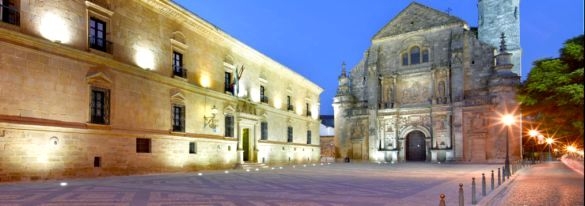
251,166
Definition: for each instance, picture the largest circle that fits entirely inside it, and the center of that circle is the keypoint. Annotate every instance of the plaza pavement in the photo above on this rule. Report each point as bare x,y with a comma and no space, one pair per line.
327,184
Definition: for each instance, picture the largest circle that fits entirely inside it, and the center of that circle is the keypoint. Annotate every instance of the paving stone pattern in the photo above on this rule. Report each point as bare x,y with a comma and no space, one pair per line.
328,184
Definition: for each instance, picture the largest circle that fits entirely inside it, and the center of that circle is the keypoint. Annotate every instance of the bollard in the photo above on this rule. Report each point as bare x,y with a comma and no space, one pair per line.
499,181
461,199
442,201
504,174
492,180
473,200
483,184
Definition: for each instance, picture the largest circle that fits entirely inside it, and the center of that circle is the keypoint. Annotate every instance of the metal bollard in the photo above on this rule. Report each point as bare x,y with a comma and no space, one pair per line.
504,174
492,180
473,200
461,199
483,184
442,201
499,178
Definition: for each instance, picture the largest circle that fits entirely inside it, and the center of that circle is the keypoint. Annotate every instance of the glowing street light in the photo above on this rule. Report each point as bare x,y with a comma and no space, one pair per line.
549,141
507,120
534,134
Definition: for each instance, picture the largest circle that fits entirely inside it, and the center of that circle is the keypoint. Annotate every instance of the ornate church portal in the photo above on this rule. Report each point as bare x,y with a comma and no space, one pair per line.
428,89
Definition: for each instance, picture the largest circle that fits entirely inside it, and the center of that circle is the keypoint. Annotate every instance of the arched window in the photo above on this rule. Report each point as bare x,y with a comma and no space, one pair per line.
415,55
425,56
404,59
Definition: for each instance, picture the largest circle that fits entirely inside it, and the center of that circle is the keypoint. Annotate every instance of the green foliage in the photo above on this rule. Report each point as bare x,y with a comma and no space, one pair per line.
553,93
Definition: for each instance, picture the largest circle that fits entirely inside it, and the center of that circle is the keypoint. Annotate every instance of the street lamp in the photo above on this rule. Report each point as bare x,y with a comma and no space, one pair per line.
549,141
534,134
508,120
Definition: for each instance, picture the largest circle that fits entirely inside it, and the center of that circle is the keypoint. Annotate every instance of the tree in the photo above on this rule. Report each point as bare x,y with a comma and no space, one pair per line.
552,95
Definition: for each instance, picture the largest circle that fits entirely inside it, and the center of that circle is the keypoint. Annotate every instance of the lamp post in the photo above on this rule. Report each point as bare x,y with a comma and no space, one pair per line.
549,141
508,120
533,134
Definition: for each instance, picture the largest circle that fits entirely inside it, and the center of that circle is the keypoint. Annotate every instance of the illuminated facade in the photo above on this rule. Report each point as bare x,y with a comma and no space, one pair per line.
116,87
428,89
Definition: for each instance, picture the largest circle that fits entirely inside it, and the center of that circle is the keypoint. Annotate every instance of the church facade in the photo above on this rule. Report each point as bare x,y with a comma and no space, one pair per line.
115,87
428,89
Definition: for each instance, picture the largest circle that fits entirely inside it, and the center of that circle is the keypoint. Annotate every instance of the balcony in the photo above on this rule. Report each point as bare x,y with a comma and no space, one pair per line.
264,99
308,113
290,108
179,71
100,44
9,15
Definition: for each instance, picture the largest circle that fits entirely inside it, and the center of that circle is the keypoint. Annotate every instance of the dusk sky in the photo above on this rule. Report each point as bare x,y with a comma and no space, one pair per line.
314,37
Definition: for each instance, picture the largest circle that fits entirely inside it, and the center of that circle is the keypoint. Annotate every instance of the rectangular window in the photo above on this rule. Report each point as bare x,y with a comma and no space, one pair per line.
308,136
9,12
178,118
288,104
415,55
264,130
289,134
178,69
99,105
97,161
227,85
425,56
263,97
192,148
308,109
229,126
97,34
143,145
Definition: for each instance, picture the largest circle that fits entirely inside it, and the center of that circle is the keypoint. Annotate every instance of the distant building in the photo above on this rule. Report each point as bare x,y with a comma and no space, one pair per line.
327,133
428,89
117,87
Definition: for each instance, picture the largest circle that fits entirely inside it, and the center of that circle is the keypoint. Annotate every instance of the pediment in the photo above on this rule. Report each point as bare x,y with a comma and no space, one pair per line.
416,17
177,96
99,78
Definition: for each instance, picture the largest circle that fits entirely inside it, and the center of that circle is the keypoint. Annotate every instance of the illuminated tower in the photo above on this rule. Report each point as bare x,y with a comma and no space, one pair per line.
497,17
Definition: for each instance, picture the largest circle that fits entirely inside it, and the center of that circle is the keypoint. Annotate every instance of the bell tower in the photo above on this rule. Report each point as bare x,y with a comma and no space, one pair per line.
497,17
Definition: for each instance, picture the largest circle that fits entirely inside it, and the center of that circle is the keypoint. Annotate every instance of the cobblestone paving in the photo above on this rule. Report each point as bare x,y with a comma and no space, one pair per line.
334,184
546,184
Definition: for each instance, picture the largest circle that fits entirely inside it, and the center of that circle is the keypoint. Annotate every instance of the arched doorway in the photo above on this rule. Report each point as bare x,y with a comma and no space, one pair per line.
415,146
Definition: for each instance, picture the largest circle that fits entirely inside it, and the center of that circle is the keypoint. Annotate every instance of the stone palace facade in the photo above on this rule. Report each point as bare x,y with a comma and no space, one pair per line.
116,87
429,89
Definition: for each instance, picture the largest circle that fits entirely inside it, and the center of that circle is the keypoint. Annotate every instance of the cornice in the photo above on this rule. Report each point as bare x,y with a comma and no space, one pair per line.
212,32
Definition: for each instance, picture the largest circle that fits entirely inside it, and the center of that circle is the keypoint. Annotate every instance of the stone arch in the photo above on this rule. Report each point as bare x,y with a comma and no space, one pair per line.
179,37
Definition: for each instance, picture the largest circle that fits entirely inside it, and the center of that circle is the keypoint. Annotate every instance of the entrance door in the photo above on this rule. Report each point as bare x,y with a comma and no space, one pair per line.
246,144
416,148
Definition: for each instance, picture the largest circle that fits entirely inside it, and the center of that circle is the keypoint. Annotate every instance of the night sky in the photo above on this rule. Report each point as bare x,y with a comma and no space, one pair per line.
314,37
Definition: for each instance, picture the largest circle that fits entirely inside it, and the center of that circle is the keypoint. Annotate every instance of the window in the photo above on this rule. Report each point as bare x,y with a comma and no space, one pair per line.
289,134
308,109
425,56
99,105
288,104
404,59
97,35
178,69
308,136
178,118
227,85
143,145
415,55
97,161
9,12
229,126
263,97
192,148
264,130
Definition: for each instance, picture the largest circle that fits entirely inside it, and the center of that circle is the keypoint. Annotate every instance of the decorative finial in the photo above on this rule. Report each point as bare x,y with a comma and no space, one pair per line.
343,73
503,43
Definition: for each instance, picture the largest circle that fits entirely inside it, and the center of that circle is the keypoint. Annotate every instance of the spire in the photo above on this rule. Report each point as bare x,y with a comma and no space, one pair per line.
343,72
503,43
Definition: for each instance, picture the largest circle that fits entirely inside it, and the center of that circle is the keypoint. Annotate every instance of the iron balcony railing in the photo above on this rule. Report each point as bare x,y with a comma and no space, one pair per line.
264,99
10,15
179,71
290,108
100,44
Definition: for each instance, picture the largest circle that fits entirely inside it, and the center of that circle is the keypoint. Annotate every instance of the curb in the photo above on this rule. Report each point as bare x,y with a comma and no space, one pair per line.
495,196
